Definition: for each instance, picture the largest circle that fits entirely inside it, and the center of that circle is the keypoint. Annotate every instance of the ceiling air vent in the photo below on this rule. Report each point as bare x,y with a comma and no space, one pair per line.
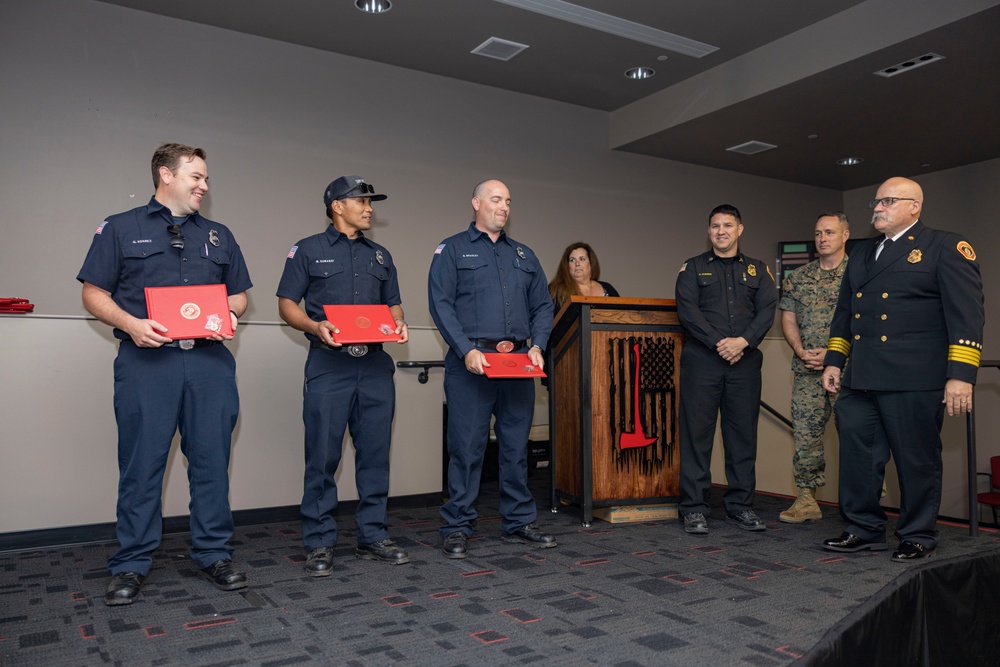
751,148
501,49
907,65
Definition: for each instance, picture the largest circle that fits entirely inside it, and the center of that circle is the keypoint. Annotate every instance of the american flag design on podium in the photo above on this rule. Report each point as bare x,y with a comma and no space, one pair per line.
643,402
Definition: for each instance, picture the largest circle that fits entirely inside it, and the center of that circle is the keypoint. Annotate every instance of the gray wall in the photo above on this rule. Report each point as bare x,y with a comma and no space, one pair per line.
89,90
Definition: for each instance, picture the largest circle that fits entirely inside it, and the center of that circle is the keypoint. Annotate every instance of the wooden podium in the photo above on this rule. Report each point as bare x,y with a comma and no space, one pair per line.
613,367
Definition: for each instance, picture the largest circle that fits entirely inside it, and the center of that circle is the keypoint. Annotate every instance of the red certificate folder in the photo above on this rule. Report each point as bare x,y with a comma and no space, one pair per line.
368,323
195,311
511,366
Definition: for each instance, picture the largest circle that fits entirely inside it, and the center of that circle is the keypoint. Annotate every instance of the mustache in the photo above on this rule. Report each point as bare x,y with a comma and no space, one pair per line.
878,216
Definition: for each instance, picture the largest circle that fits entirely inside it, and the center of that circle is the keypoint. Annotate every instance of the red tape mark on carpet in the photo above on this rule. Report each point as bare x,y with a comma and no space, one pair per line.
707,550
443,595
77,596
679,578
489,636
520,615
584,596
787,650
478,573
155,631
209,623
396,600
643,553
789,566
592,562
87,631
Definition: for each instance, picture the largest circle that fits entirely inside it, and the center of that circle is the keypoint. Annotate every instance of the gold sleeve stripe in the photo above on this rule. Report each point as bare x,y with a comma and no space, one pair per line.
964,355
839,345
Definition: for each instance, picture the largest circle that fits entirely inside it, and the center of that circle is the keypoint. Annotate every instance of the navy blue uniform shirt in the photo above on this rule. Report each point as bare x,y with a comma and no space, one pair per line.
481,289
331,269
132,251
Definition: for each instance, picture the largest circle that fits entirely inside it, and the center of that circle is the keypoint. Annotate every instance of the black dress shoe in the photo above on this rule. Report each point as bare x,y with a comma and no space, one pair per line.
530,535
123,589
747,520
386,551
910,551
695,523
319,562
454,545
223,576
849,542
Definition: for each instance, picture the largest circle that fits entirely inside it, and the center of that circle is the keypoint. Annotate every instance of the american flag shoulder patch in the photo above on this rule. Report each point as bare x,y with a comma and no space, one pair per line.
683,267
100,227
440,248
291,253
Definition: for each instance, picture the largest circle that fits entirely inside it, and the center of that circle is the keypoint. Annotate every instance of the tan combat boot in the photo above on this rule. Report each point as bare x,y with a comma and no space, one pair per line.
804,508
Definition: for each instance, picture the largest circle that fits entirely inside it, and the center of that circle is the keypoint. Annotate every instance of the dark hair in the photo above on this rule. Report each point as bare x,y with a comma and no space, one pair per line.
563,286
839,215
725,209
169,156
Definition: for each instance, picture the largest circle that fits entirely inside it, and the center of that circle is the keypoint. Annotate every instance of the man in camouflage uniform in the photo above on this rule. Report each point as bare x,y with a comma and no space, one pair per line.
809,297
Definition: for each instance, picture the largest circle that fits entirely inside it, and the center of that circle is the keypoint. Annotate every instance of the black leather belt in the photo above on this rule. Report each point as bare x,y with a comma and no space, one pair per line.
186,344
353,350
499,345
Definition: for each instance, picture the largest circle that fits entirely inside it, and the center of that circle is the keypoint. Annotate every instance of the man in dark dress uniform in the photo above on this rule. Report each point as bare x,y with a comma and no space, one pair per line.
909,319
725,301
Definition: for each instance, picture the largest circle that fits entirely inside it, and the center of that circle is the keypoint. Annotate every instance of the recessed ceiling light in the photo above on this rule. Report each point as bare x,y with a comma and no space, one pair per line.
813,136
850,161
908,65
751,147
640,72
500,49
373,6
662,58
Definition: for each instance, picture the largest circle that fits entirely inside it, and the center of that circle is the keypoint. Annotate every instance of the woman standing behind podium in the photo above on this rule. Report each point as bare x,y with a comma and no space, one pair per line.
578,275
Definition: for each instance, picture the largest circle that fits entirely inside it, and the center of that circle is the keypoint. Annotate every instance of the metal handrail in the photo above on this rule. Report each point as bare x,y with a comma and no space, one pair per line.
777,415
425,365
970,429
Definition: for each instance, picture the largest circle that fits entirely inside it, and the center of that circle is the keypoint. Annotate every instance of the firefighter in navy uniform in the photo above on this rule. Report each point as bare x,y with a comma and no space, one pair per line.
909,319
725,302
162,385
488,293
345,386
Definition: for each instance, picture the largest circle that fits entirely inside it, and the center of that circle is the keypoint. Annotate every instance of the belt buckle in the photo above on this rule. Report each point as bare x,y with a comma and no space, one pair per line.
186,344
505,346
357,350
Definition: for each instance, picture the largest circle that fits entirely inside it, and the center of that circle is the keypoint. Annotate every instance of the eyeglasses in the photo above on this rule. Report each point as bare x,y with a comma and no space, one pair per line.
888,201
177,240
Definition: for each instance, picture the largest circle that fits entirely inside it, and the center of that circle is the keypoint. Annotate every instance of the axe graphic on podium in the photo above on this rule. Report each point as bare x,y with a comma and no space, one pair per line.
636,438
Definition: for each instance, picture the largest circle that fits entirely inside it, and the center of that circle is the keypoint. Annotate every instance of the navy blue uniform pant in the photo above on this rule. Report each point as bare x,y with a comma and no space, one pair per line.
710,386
906,425
344,392
472,401
157,392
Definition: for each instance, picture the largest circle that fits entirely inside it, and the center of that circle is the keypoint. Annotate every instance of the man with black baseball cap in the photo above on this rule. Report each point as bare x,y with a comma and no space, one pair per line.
345,386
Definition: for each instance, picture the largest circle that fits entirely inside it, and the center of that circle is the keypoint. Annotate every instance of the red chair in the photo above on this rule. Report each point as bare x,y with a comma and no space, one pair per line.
992,497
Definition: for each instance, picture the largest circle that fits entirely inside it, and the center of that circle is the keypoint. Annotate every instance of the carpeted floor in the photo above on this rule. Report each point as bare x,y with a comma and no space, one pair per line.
637,594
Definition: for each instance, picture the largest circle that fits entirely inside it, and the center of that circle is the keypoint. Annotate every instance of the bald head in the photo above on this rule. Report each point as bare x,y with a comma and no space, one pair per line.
491,202
907,201
905,187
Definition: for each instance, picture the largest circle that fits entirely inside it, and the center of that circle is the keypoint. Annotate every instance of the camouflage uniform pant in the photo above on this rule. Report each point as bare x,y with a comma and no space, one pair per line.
812,407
